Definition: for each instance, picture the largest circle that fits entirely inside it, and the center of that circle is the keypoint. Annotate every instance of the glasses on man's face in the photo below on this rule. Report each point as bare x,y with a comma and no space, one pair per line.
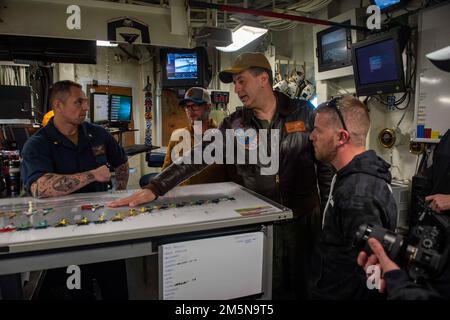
192,107
334,104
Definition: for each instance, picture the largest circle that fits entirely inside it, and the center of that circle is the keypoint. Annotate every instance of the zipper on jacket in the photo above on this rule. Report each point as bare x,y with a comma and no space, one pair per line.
279,125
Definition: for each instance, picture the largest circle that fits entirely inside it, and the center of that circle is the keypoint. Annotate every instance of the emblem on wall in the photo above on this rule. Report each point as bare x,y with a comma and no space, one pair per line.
128,30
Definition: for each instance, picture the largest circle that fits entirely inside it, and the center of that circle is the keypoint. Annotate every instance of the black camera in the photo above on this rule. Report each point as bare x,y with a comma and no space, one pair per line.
421,253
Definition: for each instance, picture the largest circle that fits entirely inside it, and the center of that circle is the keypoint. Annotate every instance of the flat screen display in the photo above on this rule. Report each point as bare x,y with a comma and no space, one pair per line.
207,269
120,108
100,107
334,46
182,66
377,62
386,4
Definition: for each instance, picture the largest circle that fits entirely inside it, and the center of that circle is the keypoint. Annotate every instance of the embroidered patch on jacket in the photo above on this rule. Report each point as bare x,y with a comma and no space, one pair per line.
247,137
99,150
295,126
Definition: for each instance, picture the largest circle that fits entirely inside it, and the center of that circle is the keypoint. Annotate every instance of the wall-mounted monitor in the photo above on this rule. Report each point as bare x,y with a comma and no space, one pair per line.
120,108
378,65
184,68
99,107
334,48
388,5
15,105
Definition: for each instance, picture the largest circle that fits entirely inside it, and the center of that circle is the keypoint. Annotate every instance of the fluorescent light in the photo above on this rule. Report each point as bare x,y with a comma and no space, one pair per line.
101,43
243,36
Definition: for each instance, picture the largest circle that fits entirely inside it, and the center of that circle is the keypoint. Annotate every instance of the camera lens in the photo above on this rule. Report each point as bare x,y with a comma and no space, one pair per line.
361,236
391,242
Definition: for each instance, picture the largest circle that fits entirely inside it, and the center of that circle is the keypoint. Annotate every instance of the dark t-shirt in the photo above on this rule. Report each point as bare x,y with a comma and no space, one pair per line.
49,151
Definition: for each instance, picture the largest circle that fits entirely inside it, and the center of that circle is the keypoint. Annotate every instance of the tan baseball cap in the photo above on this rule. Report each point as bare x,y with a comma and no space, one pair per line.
197,95
244,61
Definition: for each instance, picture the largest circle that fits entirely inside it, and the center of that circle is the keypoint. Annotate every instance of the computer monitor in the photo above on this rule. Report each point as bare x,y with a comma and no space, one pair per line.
99,107
120,109
378,65
334,48
184,68
15,105
387,5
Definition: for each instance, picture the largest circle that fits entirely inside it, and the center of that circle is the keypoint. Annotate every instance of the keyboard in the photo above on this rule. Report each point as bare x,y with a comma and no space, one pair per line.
136,149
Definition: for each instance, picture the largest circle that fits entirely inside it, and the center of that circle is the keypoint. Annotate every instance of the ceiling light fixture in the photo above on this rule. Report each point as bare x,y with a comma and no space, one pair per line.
243,36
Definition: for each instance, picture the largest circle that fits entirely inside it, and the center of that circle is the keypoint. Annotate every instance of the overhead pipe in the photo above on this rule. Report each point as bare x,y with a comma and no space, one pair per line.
304,20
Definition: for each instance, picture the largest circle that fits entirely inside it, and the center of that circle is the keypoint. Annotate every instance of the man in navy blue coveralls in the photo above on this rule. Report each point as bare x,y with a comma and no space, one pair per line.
70,155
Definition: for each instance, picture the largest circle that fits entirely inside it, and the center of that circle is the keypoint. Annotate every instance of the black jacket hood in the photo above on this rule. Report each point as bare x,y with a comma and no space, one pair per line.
369,163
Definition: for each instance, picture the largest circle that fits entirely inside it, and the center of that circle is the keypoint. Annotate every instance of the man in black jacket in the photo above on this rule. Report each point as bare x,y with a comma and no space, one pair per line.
293,184
360,193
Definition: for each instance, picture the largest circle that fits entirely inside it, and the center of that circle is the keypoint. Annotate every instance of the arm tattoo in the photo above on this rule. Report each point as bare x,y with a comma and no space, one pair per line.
54,185
90,176
122,174
48,176
65,183
38,190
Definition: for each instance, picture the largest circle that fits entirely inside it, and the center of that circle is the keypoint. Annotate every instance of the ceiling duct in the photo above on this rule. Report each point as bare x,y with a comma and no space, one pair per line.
214,36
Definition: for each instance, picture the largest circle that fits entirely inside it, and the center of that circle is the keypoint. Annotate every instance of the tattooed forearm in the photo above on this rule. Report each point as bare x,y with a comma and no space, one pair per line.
122,174
90,176
54,185
65,183
34,190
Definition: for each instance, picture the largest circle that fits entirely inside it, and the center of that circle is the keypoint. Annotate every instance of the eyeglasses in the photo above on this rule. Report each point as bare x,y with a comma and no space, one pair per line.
193,106
333,103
